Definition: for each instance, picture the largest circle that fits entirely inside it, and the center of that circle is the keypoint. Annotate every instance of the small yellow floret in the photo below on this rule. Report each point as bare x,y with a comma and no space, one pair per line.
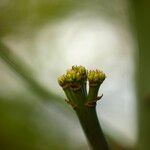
96,76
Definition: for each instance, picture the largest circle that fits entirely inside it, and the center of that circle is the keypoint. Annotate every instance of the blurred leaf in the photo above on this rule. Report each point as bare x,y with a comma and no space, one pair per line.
29,15
26,125
25,73
142,22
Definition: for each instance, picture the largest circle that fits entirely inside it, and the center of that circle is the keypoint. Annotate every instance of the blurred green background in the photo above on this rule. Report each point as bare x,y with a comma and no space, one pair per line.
39,39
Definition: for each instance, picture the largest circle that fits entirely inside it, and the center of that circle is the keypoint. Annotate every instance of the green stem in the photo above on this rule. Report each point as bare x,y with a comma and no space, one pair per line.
85,104
93,92
90,124
88,117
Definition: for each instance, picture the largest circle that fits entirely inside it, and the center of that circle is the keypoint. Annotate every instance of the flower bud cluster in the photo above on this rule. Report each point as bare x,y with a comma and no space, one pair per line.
75,75
96,77
62,80
74,85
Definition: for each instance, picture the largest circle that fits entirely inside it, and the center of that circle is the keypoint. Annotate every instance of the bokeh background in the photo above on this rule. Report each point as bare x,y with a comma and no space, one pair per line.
40,39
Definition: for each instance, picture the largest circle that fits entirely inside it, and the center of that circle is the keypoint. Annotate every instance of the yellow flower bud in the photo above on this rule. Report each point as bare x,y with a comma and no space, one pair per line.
62,80
96,76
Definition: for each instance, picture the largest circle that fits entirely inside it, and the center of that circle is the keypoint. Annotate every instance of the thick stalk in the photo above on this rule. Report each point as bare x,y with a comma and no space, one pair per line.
90,124
74,85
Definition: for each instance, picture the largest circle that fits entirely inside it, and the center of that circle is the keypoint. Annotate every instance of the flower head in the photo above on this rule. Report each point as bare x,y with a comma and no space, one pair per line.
80,70
96,77
73,77
74,84
62,81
